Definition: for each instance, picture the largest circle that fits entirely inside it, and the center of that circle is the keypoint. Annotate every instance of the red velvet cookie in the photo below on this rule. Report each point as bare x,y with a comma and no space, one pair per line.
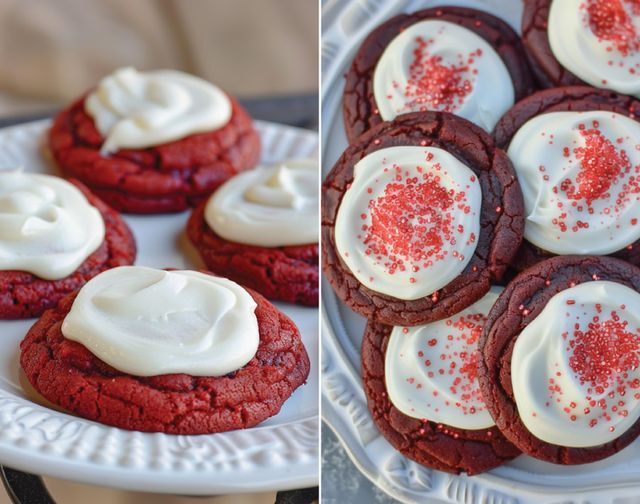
500,218
360,109
601,353
591,39
566,99
24,295
281,273
429,443
68,375
165,178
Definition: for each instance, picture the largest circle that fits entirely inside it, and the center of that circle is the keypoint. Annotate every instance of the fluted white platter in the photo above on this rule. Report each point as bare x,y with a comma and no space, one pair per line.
524,480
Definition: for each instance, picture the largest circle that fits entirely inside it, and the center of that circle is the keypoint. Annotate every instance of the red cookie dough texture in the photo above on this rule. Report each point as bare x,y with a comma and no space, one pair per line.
68,375
522,300
289,273
601,159
431,83
501,217
165,178
24,295
429,443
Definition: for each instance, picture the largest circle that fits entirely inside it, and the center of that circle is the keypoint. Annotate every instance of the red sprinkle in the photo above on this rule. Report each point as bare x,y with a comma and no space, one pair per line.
601,164
459,361
433,84
610,22
603,353
604,347
412,222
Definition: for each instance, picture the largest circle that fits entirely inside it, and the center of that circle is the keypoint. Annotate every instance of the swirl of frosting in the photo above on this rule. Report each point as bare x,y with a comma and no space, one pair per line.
409,222
47,226
149,322
134,110
431,370
268,207
579,177
437,65
575,367
598,41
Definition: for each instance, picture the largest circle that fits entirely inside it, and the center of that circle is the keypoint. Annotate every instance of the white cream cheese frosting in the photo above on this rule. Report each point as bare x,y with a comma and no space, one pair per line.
579,174
149,322
269,207
431,370
134,110
598,41
47,226
409,223
574,368
437,65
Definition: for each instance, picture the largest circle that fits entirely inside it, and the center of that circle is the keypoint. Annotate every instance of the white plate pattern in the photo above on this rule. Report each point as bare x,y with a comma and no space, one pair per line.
344,408
281,453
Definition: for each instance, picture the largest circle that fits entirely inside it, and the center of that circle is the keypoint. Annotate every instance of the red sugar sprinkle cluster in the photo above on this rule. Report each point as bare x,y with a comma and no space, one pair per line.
603,349
602,165
412,222
610,22
602,356
457,356
434,85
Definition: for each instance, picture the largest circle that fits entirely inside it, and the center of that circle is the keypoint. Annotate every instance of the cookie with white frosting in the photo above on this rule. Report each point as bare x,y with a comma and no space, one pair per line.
419,217
449,59
560,349
153,142
180,352
576,154
54,236
594,42
261,229
423,393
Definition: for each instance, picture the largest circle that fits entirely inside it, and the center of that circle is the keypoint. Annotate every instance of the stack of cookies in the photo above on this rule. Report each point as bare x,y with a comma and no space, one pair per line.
484,219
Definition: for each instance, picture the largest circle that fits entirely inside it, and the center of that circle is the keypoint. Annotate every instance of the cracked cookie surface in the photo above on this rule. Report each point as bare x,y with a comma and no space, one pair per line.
546,68
533,289
358,103
435,445
68,375
24,295
501,217
567,99
166,178
288,273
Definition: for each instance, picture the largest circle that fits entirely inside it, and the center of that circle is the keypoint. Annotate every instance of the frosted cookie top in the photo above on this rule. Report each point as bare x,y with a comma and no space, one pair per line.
149,322
431,370
47,226
575,367
409,223
134,110
598,41
270,206
580,178
441,66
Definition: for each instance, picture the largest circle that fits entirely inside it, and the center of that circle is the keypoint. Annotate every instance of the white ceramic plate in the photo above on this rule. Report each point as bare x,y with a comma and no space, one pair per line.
524,480
281,453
